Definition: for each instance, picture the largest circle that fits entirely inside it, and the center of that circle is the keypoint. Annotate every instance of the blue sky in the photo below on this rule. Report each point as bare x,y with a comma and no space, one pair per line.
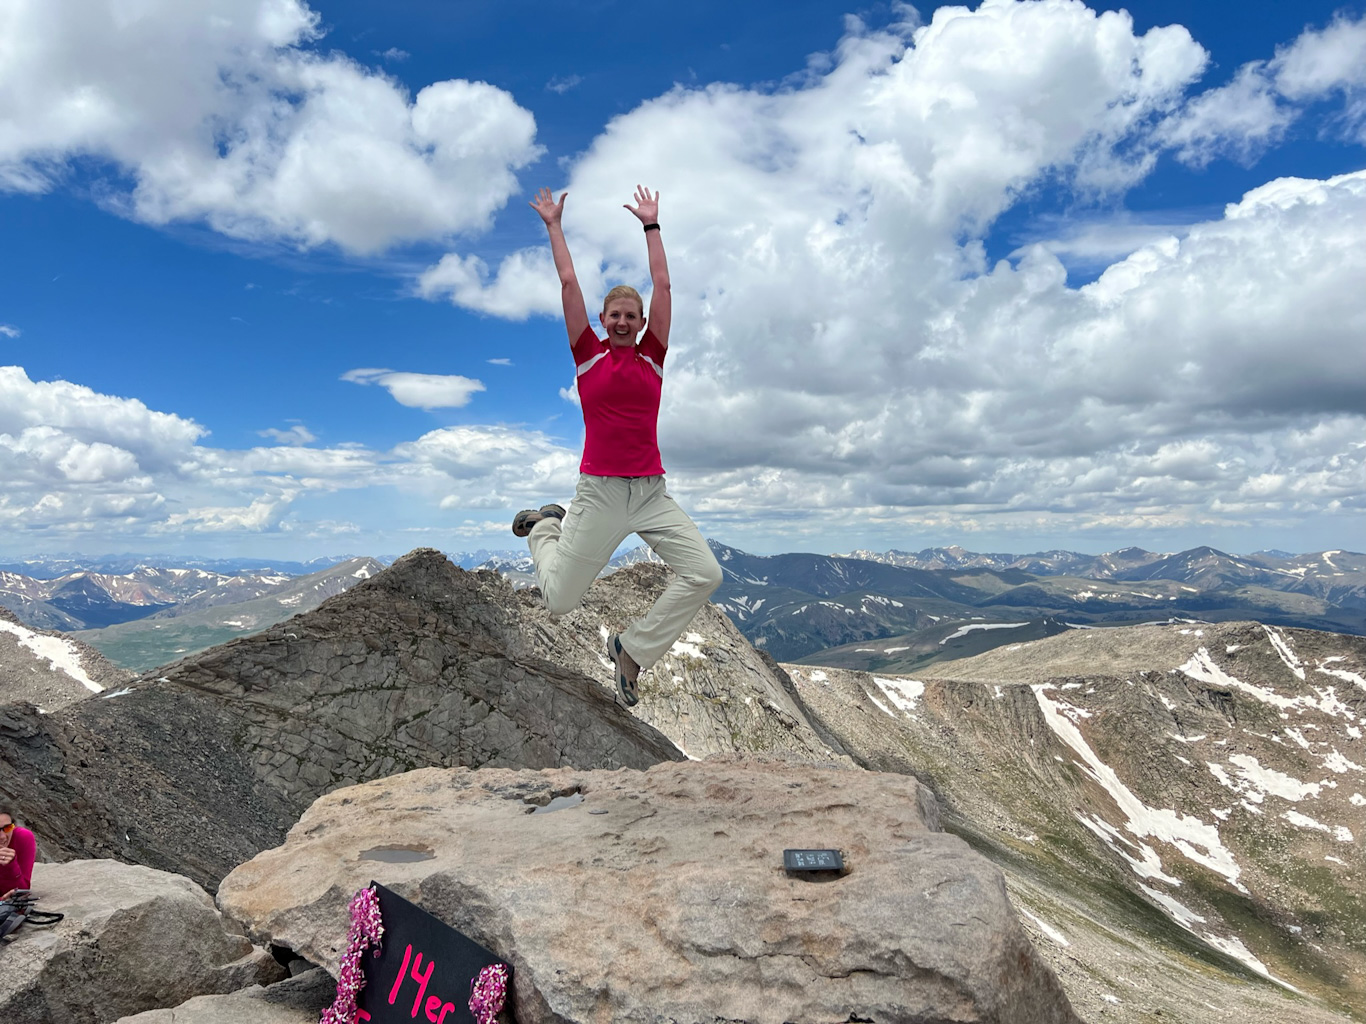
1013,276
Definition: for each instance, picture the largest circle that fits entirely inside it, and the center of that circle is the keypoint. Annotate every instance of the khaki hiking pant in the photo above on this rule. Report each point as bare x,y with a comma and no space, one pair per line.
605,511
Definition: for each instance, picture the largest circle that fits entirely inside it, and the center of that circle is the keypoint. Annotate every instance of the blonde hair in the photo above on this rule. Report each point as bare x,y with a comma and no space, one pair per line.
623,291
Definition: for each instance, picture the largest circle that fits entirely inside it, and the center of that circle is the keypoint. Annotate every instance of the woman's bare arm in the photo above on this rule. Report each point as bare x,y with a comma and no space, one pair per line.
661,299
571,295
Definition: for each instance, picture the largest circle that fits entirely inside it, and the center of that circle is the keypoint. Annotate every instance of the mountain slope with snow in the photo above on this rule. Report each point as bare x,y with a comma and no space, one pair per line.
1198,789
49,669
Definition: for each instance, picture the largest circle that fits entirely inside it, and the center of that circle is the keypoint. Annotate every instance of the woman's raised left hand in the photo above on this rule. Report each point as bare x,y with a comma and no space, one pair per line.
647,206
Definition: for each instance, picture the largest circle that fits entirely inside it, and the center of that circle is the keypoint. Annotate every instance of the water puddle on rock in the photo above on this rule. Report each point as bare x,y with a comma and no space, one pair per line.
559,803
396,854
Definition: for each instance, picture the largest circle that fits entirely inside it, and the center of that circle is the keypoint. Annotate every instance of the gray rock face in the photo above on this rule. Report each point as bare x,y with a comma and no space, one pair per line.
1180,807
133,939
157,777
711,693
50,669
660,896
200,767
298,1000
409,669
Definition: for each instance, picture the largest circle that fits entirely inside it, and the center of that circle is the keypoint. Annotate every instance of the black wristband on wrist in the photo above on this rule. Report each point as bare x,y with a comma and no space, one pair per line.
651,227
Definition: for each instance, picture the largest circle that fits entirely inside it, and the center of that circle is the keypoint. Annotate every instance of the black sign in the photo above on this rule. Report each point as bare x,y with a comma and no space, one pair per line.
425,970
813,860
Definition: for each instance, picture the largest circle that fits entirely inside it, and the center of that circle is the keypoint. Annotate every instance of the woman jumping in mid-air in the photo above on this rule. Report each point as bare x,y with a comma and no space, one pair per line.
621,481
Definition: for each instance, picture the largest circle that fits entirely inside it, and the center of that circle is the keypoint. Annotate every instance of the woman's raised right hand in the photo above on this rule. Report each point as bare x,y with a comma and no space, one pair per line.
545,205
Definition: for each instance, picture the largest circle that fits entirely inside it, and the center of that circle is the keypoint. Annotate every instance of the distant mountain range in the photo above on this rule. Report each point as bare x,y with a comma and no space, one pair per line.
893,611
151,615
51,567
48,567
897,611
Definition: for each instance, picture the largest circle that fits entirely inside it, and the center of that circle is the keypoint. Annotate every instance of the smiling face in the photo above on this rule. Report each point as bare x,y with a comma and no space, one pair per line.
623,317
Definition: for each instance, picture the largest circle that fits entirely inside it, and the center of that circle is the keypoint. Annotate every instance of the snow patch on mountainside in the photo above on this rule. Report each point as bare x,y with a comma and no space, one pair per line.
1047,929
59,652
1202,667
965,630
1282,647
904,693
1337,673
688,646
1187,833
1339,832
1257,781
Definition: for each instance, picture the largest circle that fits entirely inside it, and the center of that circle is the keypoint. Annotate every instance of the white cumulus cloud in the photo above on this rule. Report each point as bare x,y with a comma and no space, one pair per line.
1323,61
1252,112
221,111
259,515
420,390
77,463
295,435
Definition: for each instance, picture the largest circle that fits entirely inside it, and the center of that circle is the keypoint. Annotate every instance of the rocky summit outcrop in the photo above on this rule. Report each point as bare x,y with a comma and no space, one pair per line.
133,939
712,692
200,765
408,669
1178,808
48,669
660,896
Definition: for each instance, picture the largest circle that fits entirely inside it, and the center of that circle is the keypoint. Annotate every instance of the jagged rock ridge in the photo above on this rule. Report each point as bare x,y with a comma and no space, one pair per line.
407,669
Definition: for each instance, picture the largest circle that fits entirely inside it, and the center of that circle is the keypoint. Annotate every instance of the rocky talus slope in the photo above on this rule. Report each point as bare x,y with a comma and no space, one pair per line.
711,693
1178,809
49,669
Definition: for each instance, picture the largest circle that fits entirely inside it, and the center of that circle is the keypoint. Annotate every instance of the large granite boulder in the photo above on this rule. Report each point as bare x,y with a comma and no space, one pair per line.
133,939
298,1000
660,896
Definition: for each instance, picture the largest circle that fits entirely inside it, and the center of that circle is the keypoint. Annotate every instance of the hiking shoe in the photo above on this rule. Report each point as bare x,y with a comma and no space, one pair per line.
626,686
527,518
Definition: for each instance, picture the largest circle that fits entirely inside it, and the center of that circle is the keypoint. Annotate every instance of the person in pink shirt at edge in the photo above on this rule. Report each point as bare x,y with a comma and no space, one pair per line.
17,851
621,479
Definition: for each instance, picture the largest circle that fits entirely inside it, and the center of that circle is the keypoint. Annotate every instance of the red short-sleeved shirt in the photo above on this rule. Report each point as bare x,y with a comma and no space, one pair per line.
619,389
